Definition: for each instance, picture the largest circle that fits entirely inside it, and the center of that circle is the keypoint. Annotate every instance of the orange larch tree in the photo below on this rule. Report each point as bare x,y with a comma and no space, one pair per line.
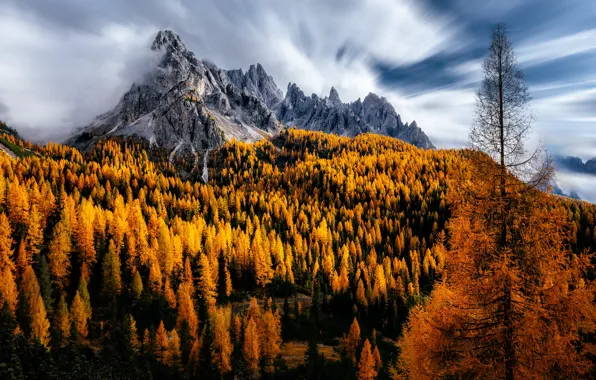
366,365
270,338
351,342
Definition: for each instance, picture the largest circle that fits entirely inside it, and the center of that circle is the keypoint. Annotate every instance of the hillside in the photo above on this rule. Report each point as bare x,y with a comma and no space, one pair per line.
121,268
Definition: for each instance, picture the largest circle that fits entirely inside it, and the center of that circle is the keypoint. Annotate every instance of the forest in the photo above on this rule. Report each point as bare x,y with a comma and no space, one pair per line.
309,244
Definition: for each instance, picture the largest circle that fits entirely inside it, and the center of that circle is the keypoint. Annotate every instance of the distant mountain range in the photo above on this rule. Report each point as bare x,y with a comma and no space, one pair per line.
575,164
186,105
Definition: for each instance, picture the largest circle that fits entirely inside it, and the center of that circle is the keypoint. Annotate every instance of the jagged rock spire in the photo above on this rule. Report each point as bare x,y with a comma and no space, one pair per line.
334,96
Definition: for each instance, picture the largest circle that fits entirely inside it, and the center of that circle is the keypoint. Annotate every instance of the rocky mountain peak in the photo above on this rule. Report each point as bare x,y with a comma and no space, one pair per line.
334,96
375,114
166,39
258,83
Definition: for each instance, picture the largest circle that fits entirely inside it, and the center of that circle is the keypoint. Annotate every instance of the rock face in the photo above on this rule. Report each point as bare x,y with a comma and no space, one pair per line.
186,106
374,114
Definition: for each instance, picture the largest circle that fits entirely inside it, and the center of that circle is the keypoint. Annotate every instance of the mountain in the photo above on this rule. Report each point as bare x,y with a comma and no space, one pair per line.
575,164
375,114
187,106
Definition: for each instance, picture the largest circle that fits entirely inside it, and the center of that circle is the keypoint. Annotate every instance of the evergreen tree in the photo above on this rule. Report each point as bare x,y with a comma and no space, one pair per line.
45,283
10,365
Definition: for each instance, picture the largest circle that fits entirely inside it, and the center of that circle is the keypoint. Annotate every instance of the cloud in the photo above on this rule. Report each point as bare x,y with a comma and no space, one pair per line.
541,51
3,109
568,121
582,184
53,79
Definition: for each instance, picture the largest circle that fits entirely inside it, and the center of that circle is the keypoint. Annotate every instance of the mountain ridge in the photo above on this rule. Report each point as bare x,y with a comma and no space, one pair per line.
187,105
576,164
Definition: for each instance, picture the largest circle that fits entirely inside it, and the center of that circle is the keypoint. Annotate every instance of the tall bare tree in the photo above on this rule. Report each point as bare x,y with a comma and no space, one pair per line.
515,302
503,117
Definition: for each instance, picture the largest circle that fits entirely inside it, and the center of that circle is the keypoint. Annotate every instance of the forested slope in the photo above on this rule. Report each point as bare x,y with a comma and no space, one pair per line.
113,266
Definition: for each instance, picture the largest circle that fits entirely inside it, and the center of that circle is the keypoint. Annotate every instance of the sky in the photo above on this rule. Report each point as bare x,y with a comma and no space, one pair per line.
64,62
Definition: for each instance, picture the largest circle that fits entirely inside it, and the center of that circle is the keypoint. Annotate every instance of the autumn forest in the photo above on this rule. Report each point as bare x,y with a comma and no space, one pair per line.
307,255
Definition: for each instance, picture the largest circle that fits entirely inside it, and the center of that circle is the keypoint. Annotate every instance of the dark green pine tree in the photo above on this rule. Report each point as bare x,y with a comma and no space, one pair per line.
312,357
10,364
285,320
186,341
45,284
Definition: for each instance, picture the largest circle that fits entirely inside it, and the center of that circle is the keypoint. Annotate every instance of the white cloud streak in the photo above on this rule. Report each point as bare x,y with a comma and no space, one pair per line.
537,51
582,184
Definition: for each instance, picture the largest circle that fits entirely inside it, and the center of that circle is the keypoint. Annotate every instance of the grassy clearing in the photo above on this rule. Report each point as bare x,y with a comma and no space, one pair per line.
17,150
293,353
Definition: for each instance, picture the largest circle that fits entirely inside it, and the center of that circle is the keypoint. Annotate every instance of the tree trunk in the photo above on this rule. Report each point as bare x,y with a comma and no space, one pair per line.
507,304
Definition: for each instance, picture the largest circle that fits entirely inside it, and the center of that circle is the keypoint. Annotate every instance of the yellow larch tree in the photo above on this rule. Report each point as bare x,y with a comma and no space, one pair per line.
79,316
173,355
40,325
34,231
186,311
62,321
18,203
270,338
84,233
59,254
8,289
6,252
207,287
351,342
222,347
377,357
251,348
194,356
